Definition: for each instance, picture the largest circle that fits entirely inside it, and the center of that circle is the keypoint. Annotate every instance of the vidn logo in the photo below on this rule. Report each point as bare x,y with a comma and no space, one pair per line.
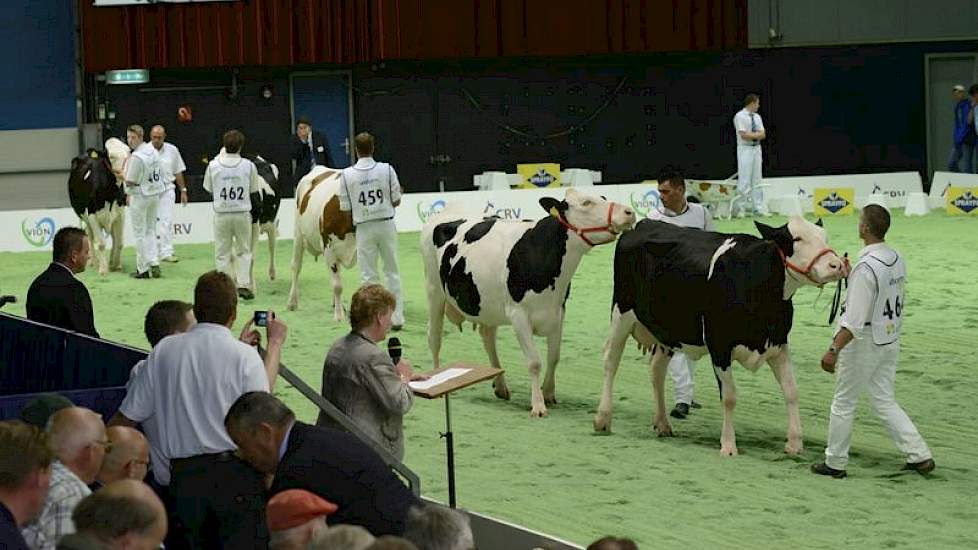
38,233
427,210
644,203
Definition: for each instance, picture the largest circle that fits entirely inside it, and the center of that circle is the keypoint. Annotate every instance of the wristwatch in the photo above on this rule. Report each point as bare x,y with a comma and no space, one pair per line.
833,350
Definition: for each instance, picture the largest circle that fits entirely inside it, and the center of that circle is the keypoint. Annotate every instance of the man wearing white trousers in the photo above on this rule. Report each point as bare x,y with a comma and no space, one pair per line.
144,185
675,209
866,347
172,169
371,191
231,180
750,133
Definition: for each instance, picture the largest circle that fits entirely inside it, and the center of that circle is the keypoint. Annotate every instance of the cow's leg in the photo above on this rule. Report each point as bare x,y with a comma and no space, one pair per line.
489,342
334,267
621,327
255,233
524,334
118,228
784,374
97,239
436,320
553,357
272,232
728,394
657,370
297,250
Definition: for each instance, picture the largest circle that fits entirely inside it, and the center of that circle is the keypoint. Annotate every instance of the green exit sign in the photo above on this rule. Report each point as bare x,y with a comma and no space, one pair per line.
127,76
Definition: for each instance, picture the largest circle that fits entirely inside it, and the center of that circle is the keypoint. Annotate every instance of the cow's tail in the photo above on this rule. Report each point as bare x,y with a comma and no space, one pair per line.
264,189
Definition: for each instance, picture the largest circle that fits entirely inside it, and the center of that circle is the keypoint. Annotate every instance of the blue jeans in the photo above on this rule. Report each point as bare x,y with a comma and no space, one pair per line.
962,151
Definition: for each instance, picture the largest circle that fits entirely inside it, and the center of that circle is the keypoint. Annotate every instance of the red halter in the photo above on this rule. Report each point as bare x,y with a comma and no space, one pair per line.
807,271
581,231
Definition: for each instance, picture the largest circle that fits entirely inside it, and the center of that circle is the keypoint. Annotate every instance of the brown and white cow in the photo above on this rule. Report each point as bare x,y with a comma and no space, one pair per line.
96,195
321,228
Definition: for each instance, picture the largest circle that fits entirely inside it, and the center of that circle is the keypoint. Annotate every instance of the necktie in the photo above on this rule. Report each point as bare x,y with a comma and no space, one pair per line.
312,152
753,124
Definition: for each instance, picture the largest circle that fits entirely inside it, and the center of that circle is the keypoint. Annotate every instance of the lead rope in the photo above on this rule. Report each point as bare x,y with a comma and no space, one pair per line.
837,299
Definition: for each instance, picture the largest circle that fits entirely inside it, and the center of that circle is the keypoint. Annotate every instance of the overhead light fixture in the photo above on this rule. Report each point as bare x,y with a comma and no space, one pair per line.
127,76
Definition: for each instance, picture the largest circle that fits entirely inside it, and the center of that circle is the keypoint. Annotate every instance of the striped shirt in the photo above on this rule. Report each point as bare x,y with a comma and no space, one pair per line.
64,493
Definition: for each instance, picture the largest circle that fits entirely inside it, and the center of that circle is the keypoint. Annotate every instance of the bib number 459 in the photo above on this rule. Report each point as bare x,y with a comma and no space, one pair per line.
372,197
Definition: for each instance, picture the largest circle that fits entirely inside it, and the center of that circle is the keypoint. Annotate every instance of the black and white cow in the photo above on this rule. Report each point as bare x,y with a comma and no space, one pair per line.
494,272
264,209
680,289
96,195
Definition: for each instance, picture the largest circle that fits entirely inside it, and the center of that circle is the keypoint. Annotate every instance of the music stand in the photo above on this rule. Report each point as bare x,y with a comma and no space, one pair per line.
474,375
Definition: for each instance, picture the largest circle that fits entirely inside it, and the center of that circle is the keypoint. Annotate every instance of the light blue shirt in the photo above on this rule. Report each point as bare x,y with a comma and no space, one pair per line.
285,441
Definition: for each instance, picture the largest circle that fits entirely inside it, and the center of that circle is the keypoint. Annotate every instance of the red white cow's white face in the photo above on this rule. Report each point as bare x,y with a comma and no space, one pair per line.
806,247
593,217
118,154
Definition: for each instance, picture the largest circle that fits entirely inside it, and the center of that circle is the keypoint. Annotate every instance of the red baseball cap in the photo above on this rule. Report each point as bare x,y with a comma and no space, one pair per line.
294,507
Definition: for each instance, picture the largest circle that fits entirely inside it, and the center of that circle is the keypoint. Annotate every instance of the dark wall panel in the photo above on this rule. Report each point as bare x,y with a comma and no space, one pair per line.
38,58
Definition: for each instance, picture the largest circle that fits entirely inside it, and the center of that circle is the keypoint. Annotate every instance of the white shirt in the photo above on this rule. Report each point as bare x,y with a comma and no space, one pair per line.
369,189
143,169
694,215
742,123
151,427
171,164
228,163
189,383
860,295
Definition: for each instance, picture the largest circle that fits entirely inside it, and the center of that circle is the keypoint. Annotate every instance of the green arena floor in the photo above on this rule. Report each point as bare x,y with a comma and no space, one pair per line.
556,476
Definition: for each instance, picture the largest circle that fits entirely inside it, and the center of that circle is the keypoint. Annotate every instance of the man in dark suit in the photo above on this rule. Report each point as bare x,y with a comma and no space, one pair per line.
308,149
332,464
56,297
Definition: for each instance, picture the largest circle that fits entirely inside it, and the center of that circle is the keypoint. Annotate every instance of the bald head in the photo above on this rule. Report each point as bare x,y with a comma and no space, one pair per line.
128,455
126,513
157,135
77,437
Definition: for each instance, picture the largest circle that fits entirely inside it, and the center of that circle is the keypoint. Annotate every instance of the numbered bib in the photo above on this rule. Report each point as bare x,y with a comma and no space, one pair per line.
230,186
888,311
369,191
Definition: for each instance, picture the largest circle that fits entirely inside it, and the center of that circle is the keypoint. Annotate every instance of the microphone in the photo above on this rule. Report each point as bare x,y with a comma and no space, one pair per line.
394,348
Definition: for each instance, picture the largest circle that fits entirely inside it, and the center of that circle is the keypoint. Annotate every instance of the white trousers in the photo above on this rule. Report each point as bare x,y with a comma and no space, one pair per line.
681,371
232,239
375,239
142,214
749,178
864,365
164,223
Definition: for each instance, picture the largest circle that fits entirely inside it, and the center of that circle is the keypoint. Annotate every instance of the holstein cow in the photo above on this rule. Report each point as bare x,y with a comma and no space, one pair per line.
264,209
322,229
495,272
679,289
96,195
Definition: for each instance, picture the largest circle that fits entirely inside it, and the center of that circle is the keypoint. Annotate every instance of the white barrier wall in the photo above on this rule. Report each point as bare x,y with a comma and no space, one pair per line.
895,185
943,180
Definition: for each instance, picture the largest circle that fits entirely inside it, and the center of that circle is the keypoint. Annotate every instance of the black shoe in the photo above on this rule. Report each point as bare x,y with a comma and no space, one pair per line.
154,271
680,411
246,294
695,405
922,468
823,470
138,275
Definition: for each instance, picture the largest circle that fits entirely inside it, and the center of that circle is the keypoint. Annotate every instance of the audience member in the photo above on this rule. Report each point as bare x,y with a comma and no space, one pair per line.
127,457
342,537
82,541
37,411
613,543
434,527
294,517
361,379
25,471
332,464
125,514
308,149
187,396
77,437
388,542
57,297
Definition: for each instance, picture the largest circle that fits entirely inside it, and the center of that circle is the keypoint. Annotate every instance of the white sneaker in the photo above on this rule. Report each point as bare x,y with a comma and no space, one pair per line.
171,259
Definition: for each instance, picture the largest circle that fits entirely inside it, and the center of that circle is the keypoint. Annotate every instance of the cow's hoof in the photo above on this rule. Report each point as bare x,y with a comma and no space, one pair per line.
728,450
602,423
538,412
501,391
292,307
103,272
271,274
550,400
663,430
793,448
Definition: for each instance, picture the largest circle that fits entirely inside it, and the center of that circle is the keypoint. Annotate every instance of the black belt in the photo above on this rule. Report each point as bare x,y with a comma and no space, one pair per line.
199,461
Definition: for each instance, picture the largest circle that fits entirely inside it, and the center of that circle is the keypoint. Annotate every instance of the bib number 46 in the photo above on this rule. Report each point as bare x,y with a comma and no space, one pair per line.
372,197
895,310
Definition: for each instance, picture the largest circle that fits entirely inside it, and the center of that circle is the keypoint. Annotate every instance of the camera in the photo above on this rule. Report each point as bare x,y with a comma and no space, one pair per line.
261,318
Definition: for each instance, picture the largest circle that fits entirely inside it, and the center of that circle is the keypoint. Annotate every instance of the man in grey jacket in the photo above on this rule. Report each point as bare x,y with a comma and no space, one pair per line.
361,379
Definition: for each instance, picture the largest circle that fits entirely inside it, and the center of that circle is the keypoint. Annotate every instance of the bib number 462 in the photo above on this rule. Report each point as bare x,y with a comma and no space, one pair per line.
372,197
895,310
232,193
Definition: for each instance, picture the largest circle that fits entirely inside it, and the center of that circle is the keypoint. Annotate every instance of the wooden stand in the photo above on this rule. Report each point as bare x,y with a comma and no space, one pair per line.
475,375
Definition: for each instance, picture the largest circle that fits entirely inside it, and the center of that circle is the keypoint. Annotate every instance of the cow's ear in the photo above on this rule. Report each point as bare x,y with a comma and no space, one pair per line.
819,222
553,206
767,232
74,162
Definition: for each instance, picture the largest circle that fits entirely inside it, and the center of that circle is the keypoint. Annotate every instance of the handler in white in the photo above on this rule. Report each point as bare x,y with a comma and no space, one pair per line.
675,209
871,322
144,185
172,169
231,179
750,133
371,191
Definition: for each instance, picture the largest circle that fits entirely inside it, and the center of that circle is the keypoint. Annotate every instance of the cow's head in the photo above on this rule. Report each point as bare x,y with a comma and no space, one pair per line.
805,249
118,155
595,220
